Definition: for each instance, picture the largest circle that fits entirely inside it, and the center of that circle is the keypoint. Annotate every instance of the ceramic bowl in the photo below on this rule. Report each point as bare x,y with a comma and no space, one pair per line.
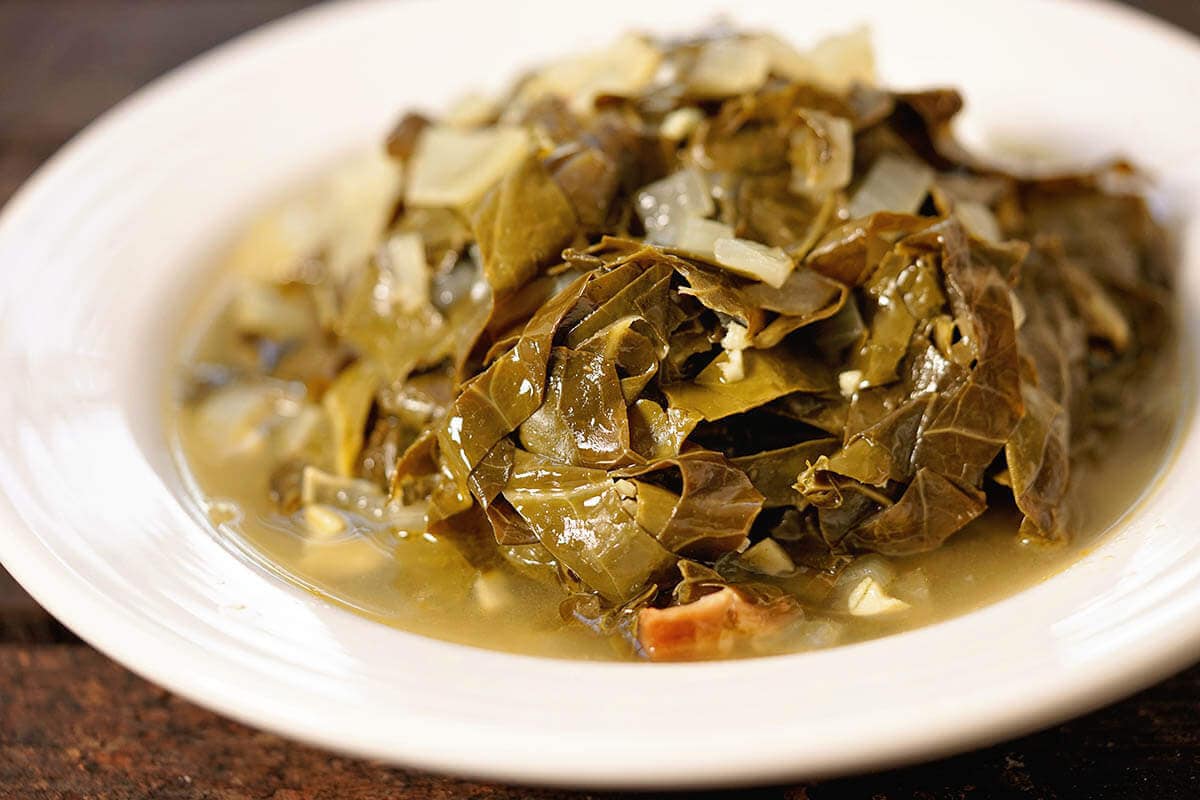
103,250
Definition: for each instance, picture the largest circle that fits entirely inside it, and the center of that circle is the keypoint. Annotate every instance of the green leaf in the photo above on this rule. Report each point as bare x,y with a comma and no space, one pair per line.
768,375
931,509
713,511
774,472
583,420
1039,465
521,225
578,516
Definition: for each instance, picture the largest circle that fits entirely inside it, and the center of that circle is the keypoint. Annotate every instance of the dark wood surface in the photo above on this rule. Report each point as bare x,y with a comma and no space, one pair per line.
75,725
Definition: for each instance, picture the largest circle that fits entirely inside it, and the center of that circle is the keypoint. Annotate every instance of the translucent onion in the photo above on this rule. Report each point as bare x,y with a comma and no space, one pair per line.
1018,309
844,59
454,168
266,309
665,204
493,591
727,67
624,69
753,260
863,589
822,154
340,217
323,522
342,558
677,125
404,273
318,487
835,62
867,599
240,419
979,220
769,558
893,184
699,236
786,61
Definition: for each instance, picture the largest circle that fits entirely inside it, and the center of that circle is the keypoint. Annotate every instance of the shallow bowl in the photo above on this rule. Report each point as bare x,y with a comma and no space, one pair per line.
102,250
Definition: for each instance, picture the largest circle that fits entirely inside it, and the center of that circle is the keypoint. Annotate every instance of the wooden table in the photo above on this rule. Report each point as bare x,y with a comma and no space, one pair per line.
75,725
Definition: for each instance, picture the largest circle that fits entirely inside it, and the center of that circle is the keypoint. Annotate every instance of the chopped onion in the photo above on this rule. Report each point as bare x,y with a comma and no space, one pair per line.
453,167
665,204
625,488
1100,313
699,236
835,62
736,336
732,367
894,184
850,381
404,272
239,419
266,309
867,599
769,558
360,497
624,69
872,566
979,220
340,218
786,61
817,633
294,433
318,487
677,125
492,591
753,260
822,154
844,59
862,589
728,67
323,522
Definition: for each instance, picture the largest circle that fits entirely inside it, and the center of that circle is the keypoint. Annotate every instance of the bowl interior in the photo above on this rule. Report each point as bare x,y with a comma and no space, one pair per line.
108,245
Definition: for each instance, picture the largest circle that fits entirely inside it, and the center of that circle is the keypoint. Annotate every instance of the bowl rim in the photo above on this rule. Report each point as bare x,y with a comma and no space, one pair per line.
1165,644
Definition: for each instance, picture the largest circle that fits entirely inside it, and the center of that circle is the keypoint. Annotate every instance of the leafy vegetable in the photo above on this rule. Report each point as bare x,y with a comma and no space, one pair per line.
691,339
583,419
577,515
454,167
767,375
1038,458
713,511
522,224
930,510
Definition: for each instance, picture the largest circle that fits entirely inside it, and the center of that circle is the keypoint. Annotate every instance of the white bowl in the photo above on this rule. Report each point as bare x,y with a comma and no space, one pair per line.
99,254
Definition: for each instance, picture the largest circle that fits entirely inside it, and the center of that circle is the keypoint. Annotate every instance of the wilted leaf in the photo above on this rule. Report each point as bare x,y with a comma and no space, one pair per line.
714,509
578,516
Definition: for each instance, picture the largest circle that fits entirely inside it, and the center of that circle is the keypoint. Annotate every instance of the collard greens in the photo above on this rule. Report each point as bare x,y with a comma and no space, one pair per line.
685,328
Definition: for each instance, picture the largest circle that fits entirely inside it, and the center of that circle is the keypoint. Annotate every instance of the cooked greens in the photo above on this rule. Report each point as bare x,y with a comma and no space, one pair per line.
704,336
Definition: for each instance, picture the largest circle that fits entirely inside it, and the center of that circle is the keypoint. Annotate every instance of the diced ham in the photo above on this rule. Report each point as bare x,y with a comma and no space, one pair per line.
711,627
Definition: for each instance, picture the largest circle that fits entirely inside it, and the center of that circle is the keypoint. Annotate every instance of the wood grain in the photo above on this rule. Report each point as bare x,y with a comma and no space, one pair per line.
75,725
